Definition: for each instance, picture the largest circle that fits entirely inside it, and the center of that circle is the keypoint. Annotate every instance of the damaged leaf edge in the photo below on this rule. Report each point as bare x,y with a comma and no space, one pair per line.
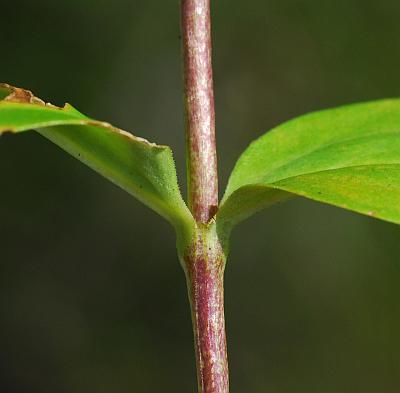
23,97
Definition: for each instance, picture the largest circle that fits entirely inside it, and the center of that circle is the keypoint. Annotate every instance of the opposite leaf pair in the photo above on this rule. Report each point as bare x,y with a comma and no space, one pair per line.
348,157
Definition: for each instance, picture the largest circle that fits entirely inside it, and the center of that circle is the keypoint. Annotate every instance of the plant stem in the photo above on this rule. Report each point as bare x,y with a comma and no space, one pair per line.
204,267
203,260
200,113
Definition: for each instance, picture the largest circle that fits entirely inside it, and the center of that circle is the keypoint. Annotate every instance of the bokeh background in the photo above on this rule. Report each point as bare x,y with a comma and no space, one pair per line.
92,297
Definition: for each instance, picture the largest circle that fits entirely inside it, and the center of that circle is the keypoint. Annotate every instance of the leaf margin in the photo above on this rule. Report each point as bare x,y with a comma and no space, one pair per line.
226,215
175,211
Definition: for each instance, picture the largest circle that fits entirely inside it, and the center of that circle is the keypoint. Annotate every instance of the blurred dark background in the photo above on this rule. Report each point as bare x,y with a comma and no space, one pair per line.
92,297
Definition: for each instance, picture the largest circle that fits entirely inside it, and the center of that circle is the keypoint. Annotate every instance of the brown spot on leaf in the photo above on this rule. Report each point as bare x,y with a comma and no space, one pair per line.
20,95
5,131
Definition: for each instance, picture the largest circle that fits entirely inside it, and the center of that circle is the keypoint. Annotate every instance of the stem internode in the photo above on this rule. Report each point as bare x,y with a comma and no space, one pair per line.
204,266
200,114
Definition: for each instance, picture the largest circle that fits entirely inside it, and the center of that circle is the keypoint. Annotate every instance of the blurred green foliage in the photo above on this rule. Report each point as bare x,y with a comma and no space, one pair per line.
92,297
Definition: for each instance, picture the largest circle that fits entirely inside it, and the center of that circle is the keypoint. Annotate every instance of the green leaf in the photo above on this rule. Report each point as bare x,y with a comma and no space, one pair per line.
348,157
143,169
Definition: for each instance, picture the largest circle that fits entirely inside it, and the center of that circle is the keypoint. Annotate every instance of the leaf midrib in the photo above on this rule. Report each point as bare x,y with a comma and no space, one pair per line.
315,150
266,184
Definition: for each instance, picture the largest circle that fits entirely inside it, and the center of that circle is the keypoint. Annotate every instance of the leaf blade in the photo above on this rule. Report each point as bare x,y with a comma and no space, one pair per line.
330,143
144,169
368,180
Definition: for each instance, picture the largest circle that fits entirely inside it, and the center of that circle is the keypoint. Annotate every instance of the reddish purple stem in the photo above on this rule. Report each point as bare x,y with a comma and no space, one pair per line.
204,261
205,277
200,113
